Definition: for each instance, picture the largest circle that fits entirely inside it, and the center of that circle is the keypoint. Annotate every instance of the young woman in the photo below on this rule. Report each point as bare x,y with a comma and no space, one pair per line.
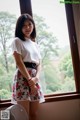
26,84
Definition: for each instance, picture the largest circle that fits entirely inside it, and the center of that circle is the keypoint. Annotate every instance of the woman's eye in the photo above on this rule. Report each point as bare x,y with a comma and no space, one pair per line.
30,24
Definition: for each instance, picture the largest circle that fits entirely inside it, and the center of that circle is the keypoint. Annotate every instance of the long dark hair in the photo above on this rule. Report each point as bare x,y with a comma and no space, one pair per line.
19,25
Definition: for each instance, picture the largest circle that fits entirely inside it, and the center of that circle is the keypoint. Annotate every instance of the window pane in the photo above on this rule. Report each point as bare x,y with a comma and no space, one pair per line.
52,36
9,11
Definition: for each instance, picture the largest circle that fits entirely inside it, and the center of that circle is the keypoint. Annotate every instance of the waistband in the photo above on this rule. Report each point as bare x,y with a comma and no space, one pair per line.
30,65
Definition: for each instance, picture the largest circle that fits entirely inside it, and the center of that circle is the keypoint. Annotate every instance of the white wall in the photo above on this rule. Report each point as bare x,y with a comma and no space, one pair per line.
61,110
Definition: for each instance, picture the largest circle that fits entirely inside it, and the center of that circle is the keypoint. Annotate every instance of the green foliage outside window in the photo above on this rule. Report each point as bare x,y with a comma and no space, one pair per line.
57,71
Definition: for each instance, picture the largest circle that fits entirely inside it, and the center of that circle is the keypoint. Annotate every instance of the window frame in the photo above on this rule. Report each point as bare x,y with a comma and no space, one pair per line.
25,7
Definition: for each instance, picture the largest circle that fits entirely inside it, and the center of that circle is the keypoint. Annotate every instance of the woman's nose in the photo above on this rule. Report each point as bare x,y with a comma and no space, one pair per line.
28,27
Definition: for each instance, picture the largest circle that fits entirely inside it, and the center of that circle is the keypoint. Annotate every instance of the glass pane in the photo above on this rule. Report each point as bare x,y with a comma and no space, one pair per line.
9,11
52,36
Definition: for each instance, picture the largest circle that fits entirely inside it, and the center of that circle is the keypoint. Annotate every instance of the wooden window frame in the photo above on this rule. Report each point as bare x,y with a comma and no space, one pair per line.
25,7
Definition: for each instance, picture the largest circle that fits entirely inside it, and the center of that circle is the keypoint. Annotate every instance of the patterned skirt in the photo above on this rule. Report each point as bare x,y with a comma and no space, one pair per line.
21,89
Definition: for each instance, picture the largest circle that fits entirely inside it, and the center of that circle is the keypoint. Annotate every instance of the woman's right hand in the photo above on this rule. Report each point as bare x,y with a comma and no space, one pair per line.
31,82
32,86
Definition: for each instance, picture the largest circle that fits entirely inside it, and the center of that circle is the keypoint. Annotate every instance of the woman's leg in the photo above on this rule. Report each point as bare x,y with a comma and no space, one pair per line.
33,110
25,104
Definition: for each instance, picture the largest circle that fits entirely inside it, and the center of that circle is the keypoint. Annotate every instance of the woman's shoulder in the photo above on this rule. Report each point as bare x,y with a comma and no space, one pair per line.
16,40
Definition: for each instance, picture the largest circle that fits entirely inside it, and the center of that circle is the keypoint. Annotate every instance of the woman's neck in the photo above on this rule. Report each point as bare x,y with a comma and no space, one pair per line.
27,38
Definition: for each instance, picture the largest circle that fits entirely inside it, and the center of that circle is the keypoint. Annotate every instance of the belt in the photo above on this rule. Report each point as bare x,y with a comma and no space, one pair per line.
30,65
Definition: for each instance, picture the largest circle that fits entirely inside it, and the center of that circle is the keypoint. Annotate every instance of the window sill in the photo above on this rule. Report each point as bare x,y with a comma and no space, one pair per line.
5,104
48,98
62,97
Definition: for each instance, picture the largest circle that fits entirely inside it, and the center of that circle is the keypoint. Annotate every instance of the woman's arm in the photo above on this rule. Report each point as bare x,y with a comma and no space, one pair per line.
21,66
24,71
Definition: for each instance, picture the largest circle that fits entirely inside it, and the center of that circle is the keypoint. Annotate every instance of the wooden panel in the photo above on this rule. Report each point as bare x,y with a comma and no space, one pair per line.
25,6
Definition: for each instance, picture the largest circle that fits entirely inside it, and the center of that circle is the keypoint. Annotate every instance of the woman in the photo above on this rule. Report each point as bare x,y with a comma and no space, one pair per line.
26,84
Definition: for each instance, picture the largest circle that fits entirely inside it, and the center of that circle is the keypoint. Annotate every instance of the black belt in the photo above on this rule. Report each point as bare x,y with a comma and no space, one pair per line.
30,65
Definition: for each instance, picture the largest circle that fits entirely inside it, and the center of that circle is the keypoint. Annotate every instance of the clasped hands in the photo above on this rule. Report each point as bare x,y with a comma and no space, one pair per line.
32,83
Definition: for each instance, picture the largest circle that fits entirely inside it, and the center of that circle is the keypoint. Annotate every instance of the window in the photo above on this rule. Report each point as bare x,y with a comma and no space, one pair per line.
9,11
53,54
53,38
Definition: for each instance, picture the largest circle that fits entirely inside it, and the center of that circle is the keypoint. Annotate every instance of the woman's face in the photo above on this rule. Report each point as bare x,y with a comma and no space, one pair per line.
27,28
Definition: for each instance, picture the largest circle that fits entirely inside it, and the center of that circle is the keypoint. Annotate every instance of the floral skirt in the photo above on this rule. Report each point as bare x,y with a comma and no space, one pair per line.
21,89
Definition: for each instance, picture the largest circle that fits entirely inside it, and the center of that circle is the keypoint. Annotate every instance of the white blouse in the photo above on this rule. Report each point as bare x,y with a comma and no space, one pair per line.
28,49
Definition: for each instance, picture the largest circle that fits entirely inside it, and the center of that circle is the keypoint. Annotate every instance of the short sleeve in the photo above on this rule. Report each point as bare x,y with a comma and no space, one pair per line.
16,46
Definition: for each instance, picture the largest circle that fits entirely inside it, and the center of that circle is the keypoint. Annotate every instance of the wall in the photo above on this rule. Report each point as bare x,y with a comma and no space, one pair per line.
61,110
